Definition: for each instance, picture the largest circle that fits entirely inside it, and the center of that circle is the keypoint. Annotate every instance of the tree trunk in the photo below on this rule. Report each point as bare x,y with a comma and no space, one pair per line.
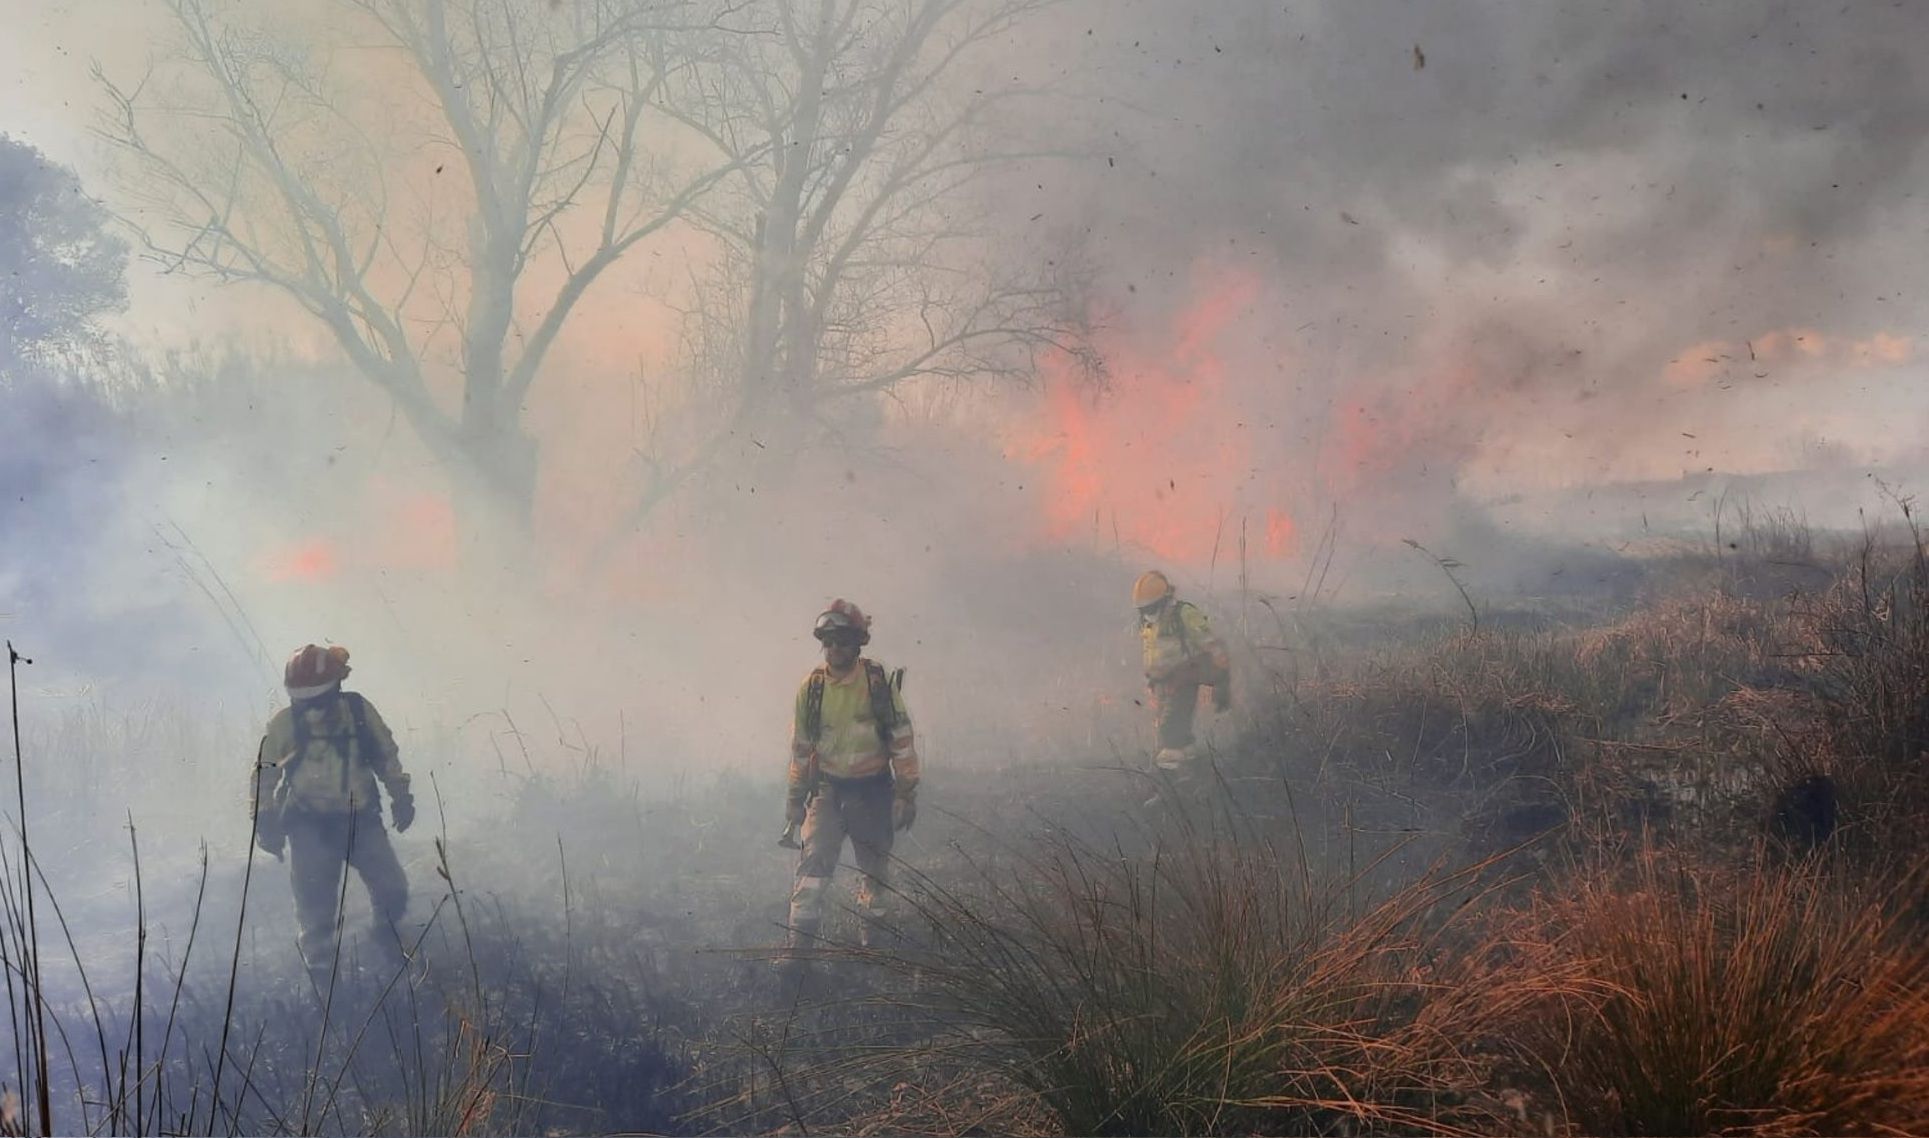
494,496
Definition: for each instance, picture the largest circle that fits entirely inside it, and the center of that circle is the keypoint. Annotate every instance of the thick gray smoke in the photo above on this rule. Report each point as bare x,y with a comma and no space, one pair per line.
1522,244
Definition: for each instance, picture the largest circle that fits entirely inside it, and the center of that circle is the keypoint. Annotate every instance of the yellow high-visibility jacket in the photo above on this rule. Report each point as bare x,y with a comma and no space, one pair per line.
335,771
1180,646
847,743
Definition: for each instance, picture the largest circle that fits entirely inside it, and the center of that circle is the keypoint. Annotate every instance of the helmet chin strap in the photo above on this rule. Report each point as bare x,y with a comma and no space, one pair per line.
297,694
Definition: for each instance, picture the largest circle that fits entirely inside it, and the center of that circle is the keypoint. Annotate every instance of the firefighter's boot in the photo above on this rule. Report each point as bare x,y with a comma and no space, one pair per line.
806,916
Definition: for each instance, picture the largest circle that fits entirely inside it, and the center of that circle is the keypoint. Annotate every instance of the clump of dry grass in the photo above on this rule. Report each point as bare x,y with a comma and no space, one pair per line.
1866,640
1209,987
1766,1001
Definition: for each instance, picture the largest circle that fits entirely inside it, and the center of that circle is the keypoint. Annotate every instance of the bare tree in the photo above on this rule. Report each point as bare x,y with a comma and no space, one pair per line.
855,258
320,173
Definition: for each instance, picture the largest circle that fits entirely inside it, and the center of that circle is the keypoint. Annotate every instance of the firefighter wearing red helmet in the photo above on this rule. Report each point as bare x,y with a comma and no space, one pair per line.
853,773
316,796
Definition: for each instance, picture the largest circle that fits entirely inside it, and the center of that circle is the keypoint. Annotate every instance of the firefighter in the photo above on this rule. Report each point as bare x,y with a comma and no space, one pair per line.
1181,656
853,773
315,795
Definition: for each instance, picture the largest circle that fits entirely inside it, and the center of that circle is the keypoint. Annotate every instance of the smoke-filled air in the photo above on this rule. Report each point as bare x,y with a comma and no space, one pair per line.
943,567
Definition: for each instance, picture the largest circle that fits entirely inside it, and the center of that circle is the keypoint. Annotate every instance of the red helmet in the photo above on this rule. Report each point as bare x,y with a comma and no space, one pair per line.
313,666
841,618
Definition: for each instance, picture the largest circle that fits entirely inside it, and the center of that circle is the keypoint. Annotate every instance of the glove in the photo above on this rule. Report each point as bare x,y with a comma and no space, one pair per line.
904,811
271,833
402,809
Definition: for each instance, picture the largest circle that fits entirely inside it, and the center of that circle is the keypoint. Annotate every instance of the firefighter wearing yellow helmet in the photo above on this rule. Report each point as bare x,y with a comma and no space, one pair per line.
853,773
1181,656
315,794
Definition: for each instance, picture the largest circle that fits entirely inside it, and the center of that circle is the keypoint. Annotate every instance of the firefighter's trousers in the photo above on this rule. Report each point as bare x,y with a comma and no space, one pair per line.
1176,705
859,809
320,847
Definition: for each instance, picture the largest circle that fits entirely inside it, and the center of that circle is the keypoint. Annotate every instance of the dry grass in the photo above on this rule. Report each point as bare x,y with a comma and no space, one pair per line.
1207,987
1684,715
1867,644
1674,976
1683,1000
1200,978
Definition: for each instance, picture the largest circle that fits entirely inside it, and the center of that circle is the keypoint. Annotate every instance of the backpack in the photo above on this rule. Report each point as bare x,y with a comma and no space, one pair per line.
1174,622
358,733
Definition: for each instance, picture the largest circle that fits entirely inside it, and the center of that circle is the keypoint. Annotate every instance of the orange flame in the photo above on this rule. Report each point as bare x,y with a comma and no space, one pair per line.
310,560
1282,536
399,528
1162,461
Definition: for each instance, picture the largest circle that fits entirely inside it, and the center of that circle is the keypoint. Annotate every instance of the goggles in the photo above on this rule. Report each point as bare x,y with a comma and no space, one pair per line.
834,629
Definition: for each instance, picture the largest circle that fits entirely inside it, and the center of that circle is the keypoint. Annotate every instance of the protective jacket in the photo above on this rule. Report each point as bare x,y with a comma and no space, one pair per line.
1180,647
836,725
324,755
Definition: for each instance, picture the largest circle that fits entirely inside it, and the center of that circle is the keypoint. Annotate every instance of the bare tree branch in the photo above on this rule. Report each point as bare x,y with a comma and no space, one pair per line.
851,270
272,164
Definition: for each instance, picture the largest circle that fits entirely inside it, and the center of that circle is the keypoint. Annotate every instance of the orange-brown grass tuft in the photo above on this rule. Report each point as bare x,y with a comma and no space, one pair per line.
1206,988
1769,1001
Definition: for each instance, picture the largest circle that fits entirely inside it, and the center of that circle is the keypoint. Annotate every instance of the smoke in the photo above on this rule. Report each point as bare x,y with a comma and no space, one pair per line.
1515,281
1371,265
1510,247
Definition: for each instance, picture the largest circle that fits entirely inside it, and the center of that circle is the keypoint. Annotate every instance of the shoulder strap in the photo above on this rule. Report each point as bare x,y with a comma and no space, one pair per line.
298,720
298,727
364,741
1179,625
358,712
814,707
884,709
359,725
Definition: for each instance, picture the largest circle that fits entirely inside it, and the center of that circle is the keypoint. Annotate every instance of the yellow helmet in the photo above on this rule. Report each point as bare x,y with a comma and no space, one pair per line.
1151,588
